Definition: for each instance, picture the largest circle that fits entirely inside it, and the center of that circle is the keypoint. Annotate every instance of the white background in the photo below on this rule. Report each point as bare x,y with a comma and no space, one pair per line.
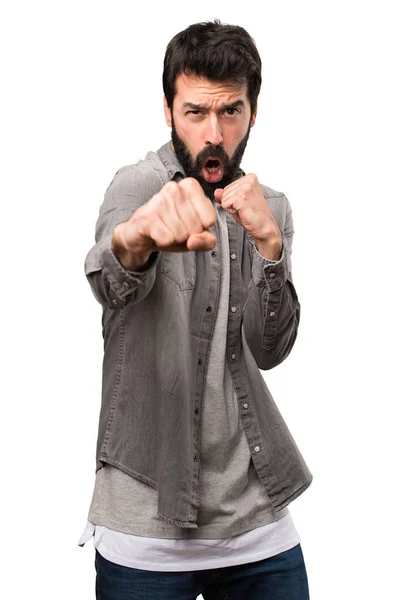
81,96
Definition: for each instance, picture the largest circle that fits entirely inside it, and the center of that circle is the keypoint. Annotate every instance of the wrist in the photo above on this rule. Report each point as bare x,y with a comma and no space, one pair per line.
132,258
270,248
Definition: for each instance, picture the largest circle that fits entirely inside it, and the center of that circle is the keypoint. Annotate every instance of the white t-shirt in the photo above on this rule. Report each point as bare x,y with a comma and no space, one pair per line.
152,554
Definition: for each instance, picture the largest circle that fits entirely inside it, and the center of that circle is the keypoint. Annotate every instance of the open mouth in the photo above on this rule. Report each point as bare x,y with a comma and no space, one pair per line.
213,170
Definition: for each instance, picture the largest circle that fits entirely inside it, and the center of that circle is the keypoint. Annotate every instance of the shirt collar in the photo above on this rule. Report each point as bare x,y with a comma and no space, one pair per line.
170,161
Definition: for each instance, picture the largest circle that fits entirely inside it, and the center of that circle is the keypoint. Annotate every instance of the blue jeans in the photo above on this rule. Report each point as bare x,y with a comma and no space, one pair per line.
280,577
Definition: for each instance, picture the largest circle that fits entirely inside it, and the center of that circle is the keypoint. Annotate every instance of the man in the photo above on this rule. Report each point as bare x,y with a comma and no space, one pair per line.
195,465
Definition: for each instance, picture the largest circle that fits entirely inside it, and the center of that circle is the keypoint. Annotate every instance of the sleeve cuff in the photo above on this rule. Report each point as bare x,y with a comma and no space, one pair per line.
123,282
269,273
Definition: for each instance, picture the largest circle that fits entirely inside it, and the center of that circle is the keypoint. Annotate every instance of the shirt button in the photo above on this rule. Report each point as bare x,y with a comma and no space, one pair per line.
233,256
196,458
245,405
233,309
272,314
272,275
196,412
233,356
199,362
257,449
208,309
213,253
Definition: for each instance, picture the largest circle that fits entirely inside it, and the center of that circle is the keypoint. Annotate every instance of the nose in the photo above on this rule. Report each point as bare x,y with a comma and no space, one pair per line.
213,133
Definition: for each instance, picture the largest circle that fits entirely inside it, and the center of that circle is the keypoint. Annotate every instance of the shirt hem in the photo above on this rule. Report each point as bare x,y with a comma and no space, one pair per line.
217,563
261,521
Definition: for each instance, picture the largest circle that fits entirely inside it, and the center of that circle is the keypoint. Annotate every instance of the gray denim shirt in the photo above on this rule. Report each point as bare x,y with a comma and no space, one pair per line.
157,330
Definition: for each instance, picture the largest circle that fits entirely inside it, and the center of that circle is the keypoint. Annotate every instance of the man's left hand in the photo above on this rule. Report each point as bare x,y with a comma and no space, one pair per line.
245,201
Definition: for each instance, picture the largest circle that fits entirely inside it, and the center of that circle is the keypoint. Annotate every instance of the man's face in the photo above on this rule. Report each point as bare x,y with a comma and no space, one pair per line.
210,127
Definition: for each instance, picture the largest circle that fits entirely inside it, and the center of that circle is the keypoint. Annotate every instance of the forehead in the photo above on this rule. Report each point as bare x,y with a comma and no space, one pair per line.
203,91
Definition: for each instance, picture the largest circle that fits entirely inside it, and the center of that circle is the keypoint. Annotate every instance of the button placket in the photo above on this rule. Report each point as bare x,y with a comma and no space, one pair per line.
235,299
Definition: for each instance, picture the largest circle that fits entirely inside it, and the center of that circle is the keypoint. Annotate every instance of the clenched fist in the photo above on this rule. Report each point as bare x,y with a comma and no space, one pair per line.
176,219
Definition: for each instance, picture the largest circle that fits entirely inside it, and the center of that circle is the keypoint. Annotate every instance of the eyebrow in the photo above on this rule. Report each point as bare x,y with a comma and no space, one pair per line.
193,106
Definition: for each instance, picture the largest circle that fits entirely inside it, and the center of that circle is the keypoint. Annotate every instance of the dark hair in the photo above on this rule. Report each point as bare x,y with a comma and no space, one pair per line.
216,51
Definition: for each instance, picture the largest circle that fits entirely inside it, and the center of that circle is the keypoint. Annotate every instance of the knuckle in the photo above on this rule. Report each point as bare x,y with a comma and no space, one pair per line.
168,240
181,237
209,219
158,199
189,184
165,238
171,187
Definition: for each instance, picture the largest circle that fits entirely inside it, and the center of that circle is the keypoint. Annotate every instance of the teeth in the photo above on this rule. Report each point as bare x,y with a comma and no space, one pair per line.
212,169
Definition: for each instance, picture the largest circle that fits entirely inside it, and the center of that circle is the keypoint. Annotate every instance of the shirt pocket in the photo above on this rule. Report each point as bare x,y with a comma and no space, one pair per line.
180,267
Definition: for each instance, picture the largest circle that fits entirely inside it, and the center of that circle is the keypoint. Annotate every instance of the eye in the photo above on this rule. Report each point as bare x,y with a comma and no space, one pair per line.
194,113
232,112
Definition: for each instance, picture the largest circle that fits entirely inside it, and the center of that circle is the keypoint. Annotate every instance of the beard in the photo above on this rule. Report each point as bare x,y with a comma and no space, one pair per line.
193,167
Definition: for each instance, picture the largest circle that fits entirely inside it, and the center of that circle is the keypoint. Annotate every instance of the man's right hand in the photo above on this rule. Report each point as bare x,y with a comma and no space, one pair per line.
176,219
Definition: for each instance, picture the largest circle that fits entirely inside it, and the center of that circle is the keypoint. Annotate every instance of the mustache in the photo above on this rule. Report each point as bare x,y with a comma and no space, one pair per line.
212,152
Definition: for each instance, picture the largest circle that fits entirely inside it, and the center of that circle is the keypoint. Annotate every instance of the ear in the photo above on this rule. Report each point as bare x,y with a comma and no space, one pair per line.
253,117
167,113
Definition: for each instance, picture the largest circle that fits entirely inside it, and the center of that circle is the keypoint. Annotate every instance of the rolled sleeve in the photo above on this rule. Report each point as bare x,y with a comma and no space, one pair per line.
272,310
270,275
112,284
